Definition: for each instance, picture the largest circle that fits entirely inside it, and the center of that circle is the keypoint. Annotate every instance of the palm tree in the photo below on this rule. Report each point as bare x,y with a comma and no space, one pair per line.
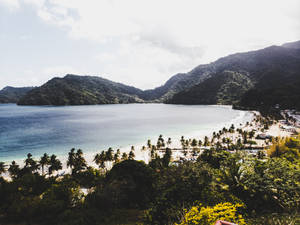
194,143
28,160
228,141
132,148
71,159
239,144
169,142
2,167
124,156
80,163
158,144
154,148
44,161
55,164
187,144
214,134
251,134
231,129
14,169
200,143
30,163
245,137
97,159
109,155
212,141
182,139
160,138
131,155
100,160
167,157
149,145
152,153
223,140
206,141
117,156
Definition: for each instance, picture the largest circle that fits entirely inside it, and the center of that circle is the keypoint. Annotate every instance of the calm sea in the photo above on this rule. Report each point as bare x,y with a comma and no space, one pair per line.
36,129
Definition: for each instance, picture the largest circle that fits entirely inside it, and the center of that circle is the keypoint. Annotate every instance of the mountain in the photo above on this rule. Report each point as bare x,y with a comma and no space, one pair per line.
295,44
81,90
278,87
179,82
251,80
13,94
224,88
253,62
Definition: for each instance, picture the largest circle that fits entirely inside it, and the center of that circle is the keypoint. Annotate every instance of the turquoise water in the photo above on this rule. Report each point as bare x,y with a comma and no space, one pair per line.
35,129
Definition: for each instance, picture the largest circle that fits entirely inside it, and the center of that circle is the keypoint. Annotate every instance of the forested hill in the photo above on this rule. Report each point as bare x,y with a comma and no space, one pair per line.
251,80
13,94
81,90
225,88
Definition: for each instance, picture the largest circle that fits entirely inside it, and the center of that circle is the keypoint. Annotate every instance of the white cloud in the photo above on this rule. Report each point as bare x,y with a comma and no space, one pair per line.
12,5
154,39
143,63
59,71
191,23
33,77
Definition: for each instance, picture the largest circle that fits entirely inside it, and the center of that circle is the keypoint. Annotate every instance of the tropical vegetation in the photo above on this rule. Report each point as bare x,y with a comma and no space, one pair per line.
214,185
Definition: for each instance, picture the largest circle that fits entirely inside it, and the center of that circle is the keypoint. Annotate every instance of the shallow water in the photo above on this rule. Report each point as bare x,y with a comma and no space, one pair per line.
56,130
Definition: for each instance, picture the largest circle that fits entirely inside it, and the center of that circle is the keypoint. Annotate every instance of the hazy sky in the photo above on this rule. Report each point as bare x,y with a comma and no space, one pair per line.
137,42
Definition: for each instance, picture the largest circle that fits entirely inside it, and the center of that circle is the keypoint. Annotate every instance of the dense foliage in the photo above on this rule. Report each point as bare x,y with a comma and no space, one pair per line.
81,90
263,79
162,192
225,88
209,215
12,94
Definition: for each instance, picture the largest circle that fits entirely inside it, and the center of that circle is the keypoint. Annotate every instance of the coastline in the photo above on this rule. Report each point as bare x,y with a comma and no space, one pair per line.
242,118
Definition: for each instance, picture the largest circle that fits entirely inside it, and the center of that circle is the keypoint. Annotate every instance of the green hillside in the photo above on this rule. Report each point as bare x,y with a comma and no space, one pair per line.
81,90
224,88
12,94
263,78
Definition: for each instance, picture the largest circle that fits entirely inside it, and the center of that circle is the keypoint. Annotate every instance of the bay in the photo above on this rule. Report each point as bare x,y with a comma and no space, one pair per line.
55,130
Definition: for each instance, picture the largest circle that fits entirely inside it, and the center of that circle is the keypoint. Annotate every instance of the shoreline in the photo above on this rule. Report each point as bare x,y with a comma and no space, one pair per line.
94,147
242,118
246,121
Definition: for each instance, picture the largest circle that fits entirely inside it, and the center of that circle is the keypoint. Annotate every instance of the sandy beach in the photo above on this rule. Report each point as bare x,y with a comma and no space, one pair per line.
244,121
240,120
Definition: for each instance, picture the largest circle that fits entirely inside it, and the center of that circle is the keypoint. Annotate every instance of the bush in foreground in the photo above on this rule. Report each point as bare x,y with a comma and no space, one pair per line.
209,215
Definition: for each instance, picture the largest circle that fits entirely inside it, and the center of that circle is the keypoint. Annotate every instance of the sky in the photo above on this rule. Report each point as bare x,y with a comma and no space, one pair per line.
136,42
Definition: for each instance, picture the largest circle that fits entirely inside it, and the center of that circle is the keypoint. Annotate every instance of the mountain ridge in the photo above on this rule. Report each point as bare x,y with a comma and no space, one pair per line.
259,66
81,90
232,80
11,94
